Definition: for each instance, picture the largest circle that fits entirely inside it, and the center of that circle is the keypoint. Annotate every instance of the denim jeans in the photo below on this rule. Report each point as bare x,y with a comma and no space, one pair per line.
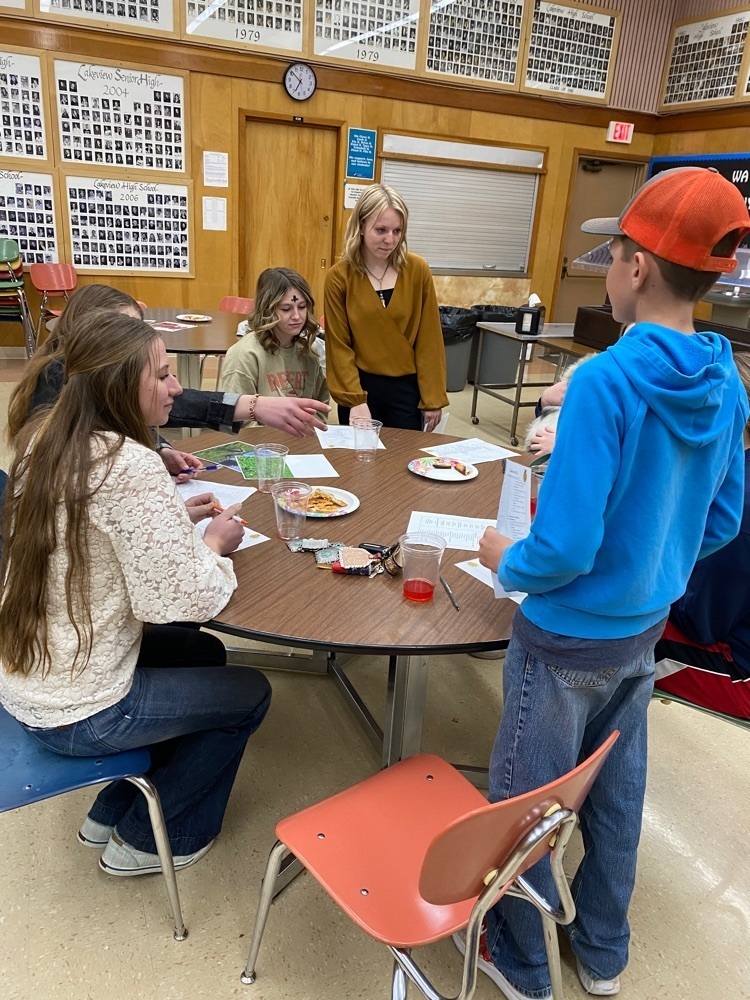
194,717
552,718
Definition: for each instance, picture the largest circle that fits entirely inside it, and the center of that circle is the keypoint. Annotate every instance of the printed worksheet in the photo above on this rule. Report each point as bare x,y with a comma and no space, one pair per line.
473,450
514,512
338,437
474,568
226,495
458,532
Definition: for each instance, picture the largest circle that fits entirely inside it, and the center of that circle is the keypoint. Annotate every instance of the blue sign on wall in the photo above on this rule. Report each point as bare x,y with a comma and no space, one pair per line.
360,154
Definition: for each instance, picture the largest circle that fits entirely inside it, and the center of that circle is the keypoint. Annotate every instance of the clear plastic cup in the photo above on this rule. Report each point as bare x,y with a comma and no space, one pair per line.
421,553
290,504
269,462
366,436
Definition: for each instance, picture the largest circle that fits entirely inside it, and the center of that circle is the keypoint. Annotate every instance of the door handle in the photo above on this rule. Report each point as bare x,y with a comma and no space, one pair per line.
564,272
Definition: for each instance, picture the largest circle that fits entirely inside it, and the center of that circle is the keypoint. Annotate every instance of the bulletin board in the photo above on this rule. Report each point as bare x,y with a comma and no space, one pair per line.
476,39
27,214
133,15
23,111
17,8
131,226
571,51
113,115
379,32
705,56
263,24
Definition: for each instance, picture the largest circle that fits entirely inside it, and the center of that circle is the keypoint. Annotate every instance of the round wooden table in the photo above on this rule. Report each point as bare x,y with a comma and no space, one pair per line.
202,339
284,598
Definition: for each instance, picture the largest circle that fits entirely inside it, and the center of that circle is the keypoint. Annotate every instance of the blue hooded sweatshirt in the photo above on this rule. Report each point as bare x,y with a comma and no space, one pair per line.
646,477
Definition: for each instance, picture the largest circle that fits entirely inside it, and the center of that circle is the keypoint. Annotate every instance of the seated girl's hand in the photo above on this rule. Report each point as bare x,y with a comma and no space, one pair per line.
180,463
224,534
543,441
200,507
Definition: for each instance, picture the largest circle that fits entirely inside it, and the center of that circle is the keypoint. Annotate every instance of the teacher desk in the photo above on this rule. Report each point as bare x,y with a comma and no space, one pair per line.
285,599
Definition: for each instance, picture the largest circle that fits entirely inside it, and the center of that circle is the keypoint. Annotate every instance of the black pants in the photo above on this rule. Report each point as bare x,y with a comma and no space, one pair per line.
394,400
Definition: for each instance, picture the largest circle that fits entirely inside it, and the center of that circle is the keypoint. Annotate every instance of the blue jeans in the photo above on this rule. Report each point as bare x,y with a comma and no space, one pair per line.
195,719
552,718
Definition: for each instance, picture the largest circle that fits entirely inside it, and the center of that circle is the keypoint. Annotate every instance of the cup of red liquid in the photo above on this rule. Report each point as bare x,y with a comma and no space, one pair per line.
537,475
421,553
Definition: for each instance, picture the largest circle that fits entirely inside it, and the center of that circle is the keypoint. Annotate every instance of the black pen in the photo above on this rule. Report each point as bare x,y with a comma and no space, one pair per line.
450,593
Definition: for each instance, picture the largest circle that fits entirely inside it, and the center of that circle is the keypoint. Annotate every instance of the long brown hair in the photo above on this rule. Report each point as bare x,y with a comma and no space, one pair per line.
273,284
52,350
55,469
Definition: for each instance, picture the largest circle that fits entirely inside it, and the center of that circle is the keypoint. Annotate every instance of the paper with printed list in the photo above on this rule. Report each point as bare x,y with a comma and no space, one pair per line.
458,532
514,512
473,450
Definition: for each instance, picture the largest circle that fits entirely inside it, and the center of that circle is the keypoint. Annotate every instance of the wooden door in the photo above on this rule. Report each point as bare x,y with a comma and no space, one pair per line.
289,195
601,189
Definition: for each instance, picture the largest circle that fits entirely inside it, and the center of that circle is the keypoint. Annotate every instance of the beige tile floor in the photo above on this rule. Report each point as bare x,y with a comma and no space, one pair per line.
69,932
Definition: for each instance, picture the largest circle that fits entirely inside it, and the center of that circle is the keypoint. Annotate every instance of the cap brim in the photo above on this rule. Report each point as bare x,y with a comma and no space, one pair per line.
602,227
596,261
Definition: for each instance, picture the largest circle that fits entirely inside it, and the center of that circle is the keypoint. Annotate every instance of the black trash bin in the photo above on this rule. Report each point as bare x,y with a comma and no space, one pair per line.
459,327
499,356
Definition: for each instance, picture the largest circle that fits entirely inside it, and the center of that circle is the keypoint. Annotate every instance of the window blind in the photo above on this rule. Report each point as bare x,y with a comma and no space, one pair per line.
464,218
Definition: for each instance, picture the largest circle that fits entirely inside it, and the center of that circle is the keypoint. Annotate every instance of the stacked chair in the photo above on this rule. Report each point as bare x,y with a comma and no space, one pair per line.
53,281
14,307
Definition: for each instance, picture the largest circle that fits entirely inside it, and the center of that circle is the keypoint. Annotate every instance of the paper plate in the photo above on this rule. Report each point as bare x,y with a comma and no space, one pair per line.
425,467
352,502
194,318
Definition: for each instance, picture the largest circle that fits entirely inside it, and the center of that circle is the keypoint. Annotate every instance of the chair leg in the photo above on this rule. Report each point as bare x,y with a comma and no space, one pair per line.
219,363
163,849
277,855
553,955
399,983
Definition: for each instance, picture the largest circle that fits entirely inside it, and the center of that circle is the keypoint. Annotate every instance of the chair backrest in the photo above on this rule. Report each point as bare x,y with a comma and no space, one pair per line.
236,304
53,278
9,251
322,321
30,773
141,305
479,842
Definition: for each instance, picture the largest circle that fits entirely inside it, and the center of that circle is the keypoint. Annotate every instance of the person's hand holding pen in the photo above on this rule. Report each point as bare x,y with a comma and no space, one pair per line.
225,532
181,464
200,507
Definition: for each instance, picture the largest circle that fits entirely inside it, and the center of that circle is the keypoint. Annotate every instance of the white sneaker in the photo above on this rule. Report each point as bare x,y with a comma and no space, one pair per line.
94,834
597,987
488,654
121,859
488,967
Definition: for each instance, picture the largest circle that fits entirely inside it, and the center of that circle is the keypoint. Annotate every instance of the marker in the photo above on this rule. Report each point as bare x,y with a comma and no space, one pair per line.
450,593
236,517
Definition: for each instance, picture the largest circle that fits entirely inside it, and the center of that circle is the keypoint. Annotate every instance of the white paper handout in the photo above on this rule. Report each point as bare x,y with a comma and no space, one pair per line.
514,512
458,532
226,495
474,568
310,467
338,437
249,539
473,450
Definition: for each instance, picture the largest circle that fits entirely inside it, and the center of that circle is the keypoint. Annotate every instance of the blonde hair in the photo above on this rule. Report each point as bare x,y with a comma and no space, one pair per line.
273,284
375,200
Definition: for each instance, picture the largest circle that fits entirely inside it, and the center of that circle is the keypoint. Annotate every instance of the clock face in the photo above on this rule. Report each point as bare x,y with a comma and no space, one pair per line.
300,81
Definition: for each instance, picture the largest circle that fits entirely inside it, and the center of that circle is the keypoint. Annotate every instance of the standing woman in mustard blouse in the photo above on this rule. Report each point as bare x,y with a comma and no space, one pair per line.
384,343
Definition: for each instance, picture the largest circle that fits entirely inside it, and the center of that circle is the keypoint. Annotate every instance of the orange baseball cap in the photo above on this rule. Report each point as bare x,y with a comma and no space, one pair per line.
680,215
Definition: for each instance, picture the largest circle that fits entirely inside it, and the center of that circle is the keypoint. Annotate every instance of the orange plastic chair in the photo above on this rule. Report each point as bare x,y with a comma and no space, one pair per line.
236,304
141,305
53,281
322,321
415,853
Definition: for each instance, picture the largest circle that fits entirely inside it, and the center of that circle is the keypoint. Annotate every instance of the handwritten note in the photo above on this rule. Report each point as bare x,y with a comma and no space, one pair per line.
458,532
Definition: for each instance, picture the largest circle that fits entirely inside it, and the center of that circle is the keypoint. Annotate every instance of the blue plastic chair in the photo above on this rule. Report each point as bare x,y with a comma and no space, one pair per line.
30,773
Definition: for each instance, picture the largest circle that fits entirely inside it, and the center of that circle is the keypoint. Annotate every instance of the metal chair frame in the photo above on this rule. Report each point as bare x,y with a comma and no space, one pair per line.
44,312
559,825
17,286
38,783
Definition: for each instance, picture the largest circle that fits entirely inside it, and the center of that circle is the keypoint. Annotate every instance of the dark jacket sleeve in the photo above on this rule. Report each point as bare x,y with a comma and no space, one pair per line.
48,386
197,408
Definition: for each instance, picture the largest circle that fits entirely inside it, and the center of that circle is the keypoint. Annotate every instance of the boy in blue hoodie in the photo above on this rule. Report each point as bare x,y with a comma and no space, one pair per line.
647,476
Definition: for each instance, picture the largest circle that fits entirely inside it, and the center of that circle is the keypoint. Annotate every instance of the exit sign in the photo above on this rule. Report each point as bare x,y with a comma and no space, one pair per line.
620,132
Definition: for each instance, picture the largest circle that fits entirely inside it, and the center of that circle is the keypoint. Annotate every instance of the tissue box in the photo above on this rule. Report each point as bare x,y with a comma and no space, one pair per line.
530,320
